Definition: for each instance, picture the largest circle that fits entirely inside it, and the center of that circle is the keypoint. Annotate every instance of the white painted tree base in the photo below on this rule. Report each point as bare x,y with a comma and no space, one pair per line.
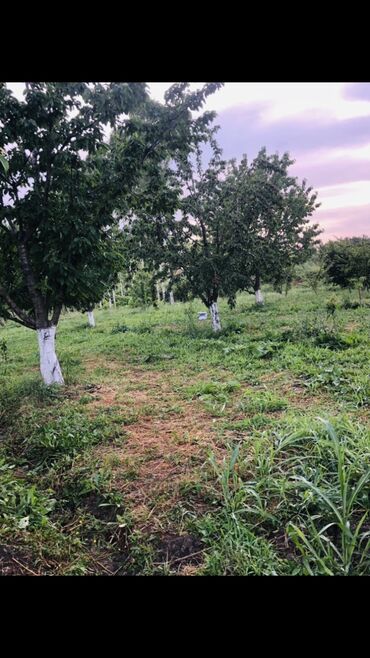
49,364
90,315
259,297
172,299
215,317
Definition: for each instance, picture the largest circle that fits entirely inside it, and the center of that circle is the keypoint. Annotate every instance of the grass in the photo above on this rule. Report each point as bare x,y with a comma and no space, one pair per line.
172,450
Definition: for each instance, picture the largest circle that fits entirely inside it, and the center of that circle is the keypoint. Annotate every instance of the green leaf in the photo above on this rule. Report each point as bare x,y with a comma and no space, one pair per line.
4,163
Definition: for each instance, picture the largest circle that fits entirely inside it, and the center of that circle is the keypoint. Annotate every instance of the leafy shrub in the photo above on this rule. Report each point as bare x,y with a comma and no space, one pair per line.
231,328
266,349
69,434
120,329
143,329
22,506
335,340
90,486
325,334
141,291
348,303
332,305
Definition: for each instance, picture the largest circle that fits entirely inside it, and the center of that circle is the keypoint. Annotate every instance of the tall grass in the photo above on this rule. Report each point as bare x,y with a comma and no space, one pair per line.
309,487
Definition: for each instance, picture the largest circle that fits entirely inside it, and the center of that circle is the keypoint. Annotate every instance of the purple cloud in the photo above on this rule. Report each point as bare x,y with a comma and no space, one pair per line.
344,222
242,130
357,91
334,172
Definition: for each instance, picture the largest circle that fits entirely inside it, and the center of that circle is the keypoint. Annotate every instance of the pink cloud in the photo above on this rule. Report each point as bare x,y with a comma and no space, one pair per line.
343,222
334,172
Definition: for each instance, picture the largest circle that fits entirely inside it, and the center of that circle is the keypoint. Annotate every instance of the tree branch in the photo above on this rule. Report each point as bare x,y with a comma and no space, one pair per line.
22,318
56,314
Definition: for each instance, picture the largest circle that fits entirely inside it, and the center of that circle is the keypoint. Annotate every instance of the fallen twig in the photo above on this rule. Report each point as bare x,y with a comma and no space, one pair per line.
24,567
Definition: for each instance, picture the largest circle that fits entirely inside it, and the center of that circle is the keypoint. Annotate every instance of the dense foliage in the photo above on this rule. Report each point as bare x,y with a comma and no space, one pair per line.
59,243
347,262
233,227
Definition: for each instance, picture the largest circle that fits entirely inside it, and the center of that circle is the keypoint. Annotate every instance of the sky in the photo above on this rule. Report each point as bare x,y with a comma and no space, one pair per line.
324,126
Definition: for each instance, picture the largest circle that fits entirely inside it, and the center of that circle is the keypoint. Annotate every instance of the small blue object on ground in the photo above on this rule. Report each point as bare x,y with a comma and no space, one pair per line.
203,315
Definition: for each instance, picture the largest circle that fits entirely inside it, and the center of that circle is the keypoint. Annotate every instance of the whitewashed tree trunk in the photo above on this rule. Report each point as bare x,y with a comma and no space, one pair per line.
90,315
259,297
49,364
172,299
114,297
158,293
164,293
110,301
100,304
215,317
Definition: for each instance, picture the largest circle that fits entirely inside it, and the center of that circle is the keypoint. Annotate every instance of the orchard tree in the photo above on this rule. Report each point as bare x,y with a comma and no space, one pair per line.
269,214
347,263
56,235
156,220
311,272
201,246
236,225
191,244
58,229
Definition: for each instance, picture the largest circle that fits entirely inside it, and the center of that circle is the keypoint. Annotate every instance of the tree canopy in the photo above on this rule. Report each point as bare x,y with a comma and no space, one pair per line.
59,238
235,224
56,231
347,262
270,215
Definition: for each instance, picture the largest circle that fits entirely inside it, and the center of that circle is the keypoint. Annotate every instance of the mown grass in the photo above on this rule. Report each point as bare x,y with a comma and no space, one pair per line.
172,450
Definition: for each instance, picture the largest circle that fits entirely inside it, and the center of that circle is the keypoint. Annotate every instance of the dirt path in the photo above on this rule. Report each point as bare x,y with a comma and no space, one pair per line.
170,440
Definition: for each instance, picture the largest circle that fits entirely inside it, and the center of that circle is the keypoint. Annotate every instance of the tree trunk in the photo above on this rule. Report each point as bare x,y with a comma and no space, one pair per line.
41,315
158,293
114,297
257,290
259,297
90,315
172,299
49,364
215,317
164,293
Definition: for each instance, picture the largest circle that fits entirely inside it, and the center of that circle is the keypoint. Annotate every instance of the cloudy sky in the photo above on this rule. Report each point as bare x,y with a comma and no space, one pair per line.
324,126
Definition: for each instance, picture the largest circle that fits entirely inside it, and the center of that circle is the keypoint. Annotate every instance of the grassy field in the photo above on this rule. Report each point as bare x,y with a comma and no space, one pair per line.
173,451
